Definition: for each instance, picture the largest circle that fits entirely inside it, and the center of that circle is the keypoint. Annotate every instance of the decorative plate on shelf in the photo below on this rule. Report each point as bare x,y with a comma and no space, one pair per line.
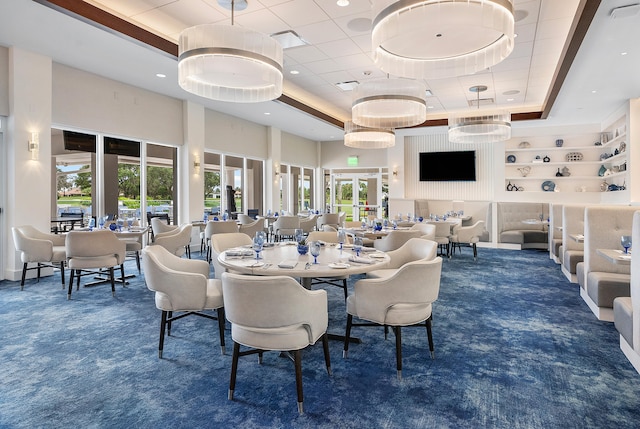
574,156
524,145
548,186
511,159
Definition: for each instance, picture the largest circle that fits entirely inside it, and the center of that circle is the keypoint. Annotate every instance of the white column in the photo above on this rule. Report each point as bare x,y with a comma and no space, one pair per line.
28,181
272,169
191,179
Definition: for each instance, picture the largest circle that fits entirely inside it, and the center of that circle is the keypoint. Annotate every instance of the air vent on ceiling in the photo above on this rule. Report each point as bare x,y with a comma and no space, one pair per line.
289,39
481,102
347,86
625,11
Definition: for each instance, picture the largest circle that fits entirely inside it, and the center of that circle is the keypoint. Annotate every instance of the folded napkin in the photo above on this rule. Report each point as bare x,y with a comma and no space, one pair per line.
360,260
368,249
288,264
239,252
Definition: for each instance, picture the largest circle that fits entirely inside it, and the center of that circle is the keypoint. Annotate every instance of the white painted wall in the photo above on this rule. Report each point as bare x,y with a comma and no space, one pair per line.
86,101
234,136
4,81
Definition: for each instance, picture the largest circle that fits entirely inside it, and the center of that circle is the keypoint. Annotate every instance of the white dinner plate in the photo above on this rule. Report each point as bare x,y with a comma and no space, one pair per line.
338,265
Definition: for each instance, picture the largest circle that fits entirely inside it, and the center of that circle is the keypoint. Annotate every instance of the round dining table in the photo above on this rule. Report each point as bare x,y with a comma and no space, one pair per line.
283,259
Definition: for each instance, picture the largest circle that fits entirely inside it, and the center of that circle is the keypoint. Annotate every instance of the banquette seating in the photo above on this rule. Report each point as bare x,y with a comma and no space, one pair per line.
626,310
555,233
512,228
603,281
573,250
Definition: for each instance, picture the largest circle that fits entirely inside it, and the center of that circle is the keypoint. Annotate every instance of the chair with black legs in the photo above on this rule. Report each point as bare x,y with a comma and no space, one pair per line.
274,313
403,299
181,286
41,248
93,252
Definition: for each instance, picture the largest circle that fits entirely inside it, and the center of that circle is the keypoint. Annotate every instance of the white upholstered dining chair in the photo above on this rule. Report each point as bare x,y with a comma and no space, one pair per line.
274,313
403,299
88,251
181,286
41,248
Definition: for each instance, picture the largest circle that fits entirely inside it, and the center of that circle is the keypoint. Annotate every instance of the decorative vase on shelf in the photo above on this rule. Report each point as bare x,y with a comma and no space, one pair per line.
559,142
558,174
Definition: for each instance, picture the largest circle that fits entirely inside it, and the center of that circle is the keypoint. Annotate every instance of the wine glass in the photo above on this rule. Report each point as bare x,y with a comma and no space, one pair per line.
120,224
92,224
130,223
257,245
314,248
385,223
225,216
357,245
625,240
342,237
298,235
101,221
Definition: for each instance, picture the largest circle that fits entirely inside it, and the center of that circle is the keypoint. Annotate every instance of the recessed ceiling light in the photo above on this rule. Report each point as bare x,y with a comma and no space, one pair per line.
267,113
161,75
342,3
294,72
429,107
623,53
429,93
509,99
593,91
511,92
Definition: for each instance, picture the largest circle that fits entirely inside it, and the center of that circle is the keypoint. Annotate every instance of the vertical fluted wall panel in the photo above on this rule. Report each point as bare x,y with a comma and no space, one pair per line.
480,190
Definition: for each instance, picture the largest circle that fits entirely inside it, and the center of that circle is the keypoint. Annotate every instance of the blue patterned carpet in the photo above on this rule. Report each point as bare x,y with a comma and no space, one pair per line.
516,347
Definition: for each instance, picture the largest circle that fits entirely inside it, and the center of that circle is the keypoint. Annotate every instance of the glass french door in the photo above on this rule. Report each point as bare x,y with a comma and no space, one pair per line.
358,195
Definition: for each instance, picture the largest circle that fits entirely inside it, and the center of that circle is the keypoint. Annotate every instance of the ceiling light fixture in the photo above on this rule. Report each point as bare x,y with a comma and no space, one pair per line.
368,138
482,127
389,103
342,3
230,63
430,39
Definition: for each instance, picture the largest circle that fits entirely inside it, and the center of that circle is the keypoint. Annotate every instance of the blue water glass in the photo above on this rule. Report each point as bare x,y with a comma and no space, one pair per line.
257,246
357,245
299,235
342,237
101,222
130,223
120,224
92,224
225,216
206,217
625,240
395,224
385,223
315,251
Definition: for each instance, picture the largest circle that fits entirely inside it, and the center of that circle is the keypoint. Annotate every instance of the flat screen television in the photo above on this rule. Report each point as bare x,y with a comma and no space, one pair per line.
448,166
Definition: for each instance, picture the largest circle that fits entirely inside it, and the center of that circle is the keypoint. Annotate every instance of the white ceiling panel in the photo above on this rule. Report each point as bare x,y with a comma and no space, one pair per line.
340,49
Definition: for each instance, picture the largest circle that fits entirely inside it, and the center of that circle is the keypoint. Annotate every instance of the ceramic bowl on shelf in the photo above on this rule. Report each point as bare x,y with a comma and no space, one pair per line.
524,145
548,186
511,159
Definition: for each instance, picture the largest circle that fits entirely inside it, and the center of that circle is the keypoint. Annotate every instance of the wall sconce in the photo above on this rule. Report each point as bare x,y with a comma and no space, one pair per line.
196,165
34,145
276,170
395,172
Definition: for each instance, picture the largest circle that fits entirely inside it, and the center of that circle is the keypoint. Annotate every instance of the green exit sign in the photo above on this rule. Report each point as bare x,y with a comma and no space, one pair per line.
352,161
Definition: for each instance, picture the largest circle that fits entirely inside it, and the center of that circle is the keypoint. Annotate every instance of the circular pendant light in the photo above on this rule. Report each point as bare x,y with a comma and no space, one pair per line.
480,127
389,103
368,138
432,39
229,63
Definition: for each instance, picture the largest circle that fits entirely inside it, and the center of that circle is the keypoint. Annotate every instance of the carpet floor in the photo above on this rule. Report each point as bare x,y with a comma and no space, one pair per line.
516,347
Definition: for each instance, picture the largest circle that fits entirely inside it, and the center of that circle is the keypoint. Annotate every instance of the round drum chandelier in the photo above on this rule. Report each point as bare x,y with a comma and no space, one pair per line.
368,138
229,63
432,39
389,103
480,127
